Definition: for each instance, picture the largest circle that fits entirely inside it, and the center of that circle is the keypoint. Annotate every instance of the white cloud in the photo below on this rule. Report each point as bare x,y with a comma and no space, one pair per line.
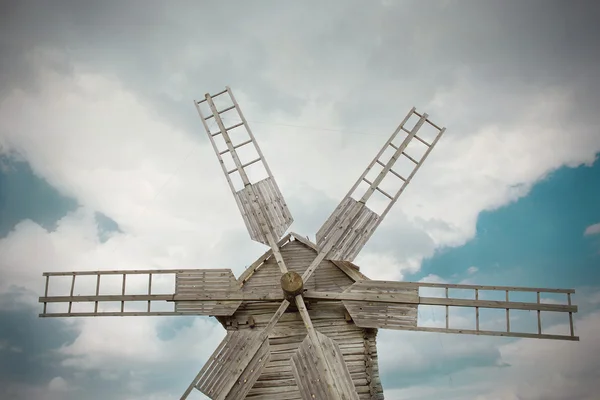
471,270
592,229
58,384
98,142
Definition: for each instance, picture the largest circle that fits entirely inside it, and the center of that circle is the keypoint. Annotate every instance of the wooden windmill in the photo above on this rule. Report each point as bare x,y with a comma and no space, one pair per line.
302,320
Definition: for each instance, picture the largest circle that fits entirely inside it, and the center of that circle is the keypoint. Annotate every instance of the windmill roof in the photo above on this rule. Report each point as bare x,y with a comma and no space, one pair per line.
347,267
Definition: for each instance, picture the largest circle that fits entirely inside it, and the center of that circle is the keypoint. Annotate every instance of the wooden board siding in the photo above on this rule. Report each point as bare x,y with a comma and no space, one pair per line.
297,257
357,345
207,280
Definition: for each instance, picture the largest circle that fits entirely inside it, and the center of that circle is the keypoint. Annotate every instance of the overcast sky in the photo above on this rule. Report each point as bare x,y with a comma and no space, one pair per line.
105,165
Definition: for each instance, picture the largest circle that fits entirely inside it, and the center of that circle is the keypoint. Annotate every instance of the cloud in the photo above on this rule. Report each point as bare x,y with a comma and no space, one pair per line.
114,129
592,230
58,384
471,270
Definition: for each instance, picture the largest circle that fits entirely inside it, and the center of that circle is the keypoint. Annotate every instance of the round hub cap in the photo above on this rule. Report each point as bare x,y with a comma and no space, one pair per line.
291,283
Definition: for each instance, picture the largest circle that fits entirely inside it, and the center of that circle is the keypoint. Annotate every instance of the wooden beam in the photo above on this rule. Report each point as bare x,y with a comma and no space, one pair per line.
375,297
217,296
509,305
129,272
482,287
492,333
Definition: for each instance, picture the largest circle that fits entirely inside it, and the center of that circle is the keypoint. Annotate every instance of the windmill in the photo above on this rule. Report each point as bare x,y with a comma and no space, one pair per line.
302,319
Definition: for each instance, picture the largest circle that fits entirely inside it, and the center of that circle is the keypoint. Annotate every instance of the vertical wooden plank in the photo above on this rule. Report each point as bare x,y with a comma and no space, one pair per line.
507,315
46,291
447,321
72,288
476,311
570,315
97,292
149,288
539,317
123,293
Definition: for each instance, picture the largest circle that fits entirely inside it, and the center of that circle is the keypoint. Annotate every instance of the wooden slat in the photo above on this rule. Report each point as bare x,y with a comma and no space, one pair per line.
508,305
271,200
369,311
241,355
492,333
310,370
352,223
206,282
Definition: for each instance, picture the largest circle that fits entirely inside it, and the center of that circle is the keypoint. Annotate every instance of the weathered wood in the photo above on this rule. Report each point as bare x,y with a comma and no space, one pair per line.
311,371
242,355
352,222
376,304
291,283
206,282
508,305
493,333
261,203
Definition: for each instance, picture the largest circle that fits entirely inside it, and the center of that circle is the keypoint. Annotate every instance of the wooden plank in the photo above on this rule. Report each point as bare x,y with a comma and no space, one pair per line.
508,305
491,288
310,370
350,269
492,333
266,195
127,271
206,282
407,297
260,261
241,355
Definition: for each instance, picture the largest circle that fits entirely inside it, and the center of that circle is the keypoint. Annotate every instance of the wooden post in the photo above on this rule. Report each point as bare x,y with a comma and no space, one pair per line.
46,291
72,288
447,321
476,311
539,317
123,293
570,315
97,292
507,315
149,288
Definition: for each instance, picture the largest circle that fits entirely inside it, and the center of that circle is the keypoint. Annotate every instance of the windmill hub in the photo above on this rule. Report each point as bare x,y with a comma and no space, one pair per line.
292,284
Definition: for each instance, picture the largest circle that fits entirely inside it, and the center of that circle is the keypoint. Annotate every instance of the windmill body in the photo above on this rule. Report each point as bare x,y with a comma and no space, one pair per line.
302,320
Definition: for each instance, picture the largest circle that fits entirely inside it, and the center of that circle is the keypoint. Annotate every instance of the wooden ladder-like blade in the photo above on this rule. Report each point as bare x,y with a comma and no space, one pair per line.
256,193
396,305
212,292
317,378
234,366
206,281
352,222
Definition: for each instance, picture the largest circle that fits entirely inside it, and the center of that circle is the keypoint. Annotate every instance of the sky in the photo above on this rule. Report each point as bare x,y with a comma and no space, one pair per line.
104,164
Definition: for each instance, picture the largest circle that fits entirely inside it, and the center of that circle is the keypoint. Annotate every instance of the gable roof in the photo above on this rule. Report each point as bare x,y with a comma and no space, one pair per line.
347,267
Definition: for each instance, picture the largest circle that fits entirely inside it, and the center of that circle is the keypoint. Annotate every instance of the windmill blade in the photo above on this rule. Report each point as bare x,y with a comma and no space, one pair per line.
260,201
396,305
318,365
234,366
312,372
213,292
352,222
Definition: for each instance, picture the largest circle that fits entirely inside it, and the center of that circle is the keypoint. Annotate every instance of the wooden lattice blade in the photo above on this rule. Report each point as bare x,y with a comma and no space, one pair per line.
272,206
212,292
257,195
370,313
396,305
312,372
353,221
234,367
